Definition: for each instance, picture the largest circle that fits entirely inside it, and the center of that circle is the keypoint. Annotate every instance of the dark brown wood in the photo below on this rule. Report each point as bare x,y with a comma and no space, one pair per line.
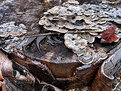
104,78
55,65
3,71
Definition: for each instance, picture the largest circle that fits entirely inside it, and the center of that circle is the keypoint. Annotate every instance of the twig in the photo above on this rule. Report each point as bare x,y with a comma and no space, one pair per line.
116,86
42,34
46,34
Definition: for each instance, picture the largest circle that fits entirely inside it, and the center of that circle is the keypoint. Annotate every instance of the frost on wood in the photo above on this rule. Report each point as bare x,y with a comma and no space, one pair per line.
11,36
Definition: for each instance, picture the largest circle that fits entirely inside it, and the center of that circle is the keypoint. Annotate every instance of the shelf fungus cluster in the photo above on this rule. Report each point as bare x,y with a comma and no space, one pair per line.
11,37
89,20
87,17
79,43
112,2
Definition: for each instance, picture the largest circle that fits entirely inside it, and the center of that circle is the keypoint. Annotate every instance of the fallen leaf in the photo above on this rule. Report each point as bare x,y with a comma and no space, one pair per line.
109,35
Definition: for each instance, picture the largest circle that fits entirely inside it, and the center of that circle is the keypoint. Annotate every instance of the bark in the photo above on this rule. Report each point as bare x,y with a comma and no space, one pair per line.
29,72
104,78
5,71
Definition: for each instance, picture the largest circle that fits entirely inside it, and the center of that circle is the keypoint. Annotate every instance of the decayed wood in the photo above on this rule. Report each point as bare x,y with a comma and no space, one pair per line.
5,66
69,74
3,85
2,60
101,83
14,77
63,75
104,77
26,79
5,70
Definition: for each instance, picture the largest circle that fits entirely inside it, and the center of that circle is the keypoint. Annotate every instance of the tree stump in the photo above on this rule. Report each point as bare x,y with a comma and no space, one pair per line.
53,67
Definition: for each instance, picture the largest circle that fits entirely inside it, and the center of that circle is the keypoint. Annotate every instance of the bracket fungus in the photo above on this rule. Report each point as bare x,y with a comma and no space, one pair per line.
90,20
79,44
112,2
68,53
11,37
70,17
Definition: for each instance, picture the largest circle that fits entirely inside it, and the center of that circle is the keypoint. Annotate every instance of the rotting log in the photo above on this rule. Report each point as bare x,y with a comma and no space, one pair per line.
4,59
104,78
38,71
18,78
30,72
